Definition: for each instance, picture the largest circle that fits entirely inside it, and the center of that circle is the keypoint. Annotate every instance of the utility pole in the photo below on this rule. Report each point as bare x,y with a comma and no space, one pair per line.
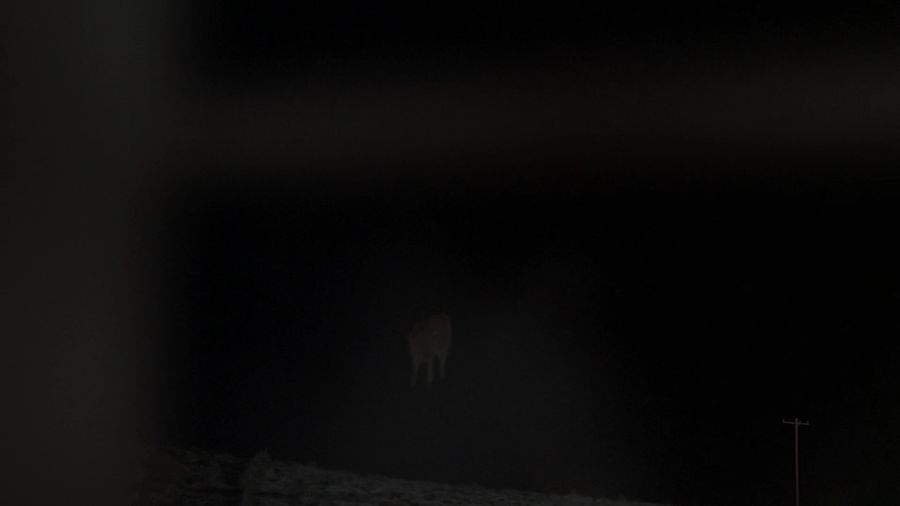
796,423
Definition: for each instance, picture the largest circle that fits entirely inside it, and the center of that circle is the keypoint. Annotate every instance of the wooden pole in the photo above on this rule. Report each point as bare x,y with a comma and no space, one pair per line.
796,423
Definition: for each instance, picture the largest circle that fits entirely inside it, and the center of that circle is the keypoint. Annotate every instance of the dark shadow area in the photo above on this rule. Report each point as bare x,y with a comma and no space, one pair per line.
632,335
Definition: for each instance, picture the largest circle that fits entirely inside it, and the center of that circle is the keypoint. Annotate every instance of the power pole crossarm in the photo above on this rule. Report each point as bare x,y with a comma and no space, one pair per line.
797,424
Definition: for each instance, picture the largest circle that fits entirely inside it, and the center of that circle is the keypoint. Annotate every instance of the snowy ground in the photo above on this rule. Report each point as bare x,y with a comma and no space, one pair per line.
191,477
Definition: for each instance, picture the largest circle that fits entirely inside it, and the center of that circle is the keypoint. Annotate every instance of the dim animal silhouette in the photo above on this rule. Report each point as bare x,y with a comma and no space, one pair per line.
429,341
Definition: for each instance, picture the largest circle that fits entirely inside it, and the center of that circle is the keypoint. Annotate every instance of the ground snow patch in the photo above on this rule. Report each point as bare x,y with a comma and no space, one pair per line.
218,480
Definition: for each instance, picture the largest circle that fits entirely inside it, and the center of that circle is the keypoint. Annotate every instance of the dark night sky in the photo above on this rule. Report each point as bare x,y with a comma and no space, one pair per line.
622,325
249,41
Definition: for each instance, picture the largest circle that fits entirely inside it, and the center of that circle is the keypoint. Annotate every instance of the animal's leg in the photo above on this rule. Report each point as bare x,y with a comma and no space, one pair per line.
415,372
443,362
430,370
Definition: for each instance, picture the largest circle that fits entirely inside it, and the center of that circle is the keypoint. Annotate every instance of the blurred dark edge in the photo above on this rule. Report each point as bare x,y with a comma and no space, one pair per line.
101,123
